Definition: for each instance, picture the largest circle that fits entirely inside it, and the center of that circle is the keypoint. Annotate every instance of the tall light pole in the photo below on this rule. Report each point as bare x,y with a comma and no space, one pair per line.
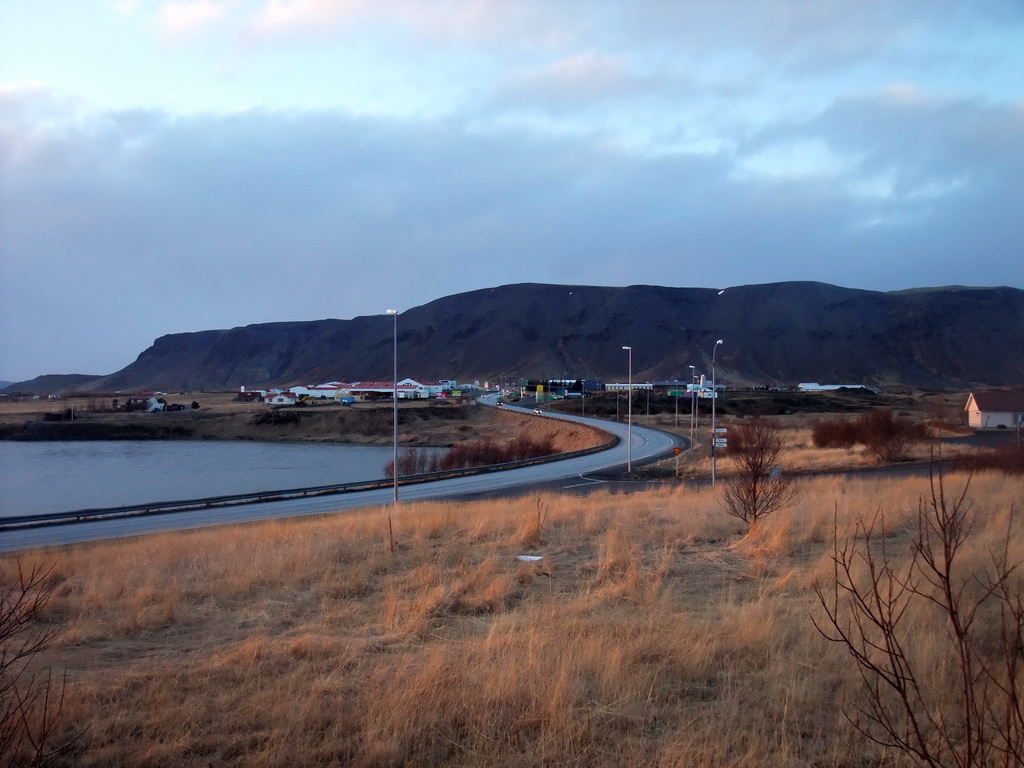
394,391
629,414
693,401
714,399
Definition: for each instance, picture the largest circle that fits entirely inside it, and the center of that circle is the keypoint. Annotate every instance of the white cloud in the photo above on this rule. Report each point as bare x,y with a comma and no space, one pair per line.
870,144
291,17
126,7
149,223
184,18
467,20
581,76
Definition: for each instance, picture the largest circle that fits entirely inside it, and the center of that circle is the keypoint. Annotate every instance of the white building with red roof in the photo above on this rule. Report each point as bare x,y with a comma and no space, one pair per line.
282,398
995,409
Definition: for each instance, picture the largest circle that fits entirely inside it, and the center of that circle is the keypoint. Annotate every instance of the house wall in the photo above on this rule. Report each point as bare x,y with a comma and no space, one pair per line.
989,419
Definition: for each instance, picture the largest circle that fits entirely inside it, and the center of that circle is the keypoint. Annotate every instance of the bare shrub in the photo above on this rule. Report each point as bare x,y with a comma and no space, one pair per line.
479,453
833,433
410,462
884,436
759,487
30,702
1008,458
472,453
939,645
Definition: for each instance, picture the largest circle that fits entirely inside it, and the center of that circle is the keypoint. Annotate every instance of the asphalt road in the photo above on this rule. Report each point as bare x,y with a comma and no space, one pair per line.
646,445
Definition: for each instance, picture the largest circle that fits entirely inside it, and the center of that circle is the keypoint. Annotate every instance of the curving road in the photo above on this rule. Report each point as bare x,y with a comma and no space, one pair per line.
647,444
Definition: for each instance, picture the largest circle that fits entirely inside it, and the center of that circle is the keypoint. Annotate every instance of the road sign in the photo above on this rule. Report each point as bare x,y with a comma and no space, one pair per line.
720,442
677,450
720,429
675,393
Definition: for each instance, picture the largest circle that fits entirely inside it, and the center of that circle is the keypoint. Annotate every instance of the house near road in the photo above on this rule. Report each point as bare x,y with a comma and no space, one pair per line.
995,409
408,389
144,402
282,398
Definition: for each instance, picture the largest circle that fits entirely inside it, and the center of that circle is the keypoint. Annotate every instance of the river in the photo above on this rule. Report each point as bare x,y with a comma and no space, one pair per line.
40,477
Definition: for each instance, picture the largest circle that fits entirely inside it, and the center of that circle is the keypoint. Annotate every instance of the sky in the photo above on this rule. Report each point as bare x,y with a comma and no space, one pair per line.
182,165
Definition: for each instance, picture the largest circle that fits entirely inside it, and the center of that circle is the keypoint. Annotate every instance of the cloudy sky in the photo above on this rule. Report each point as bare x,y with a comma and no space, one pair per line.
196,164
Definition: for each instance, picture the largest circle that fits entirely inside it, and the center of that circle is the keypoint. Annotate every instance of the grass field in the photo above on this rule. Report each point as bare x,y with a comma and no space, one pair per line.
651,632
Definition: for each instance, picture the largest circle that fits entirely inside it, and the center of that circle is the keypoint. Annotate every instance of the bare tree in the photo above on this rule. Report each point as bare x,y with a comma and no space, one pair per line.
30,702
759,487
957,706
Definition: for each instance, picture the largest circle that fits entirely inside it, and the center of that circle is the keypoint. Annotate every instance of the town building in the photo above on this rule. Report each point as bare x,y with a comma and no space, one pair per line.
282,398
813,386
995,409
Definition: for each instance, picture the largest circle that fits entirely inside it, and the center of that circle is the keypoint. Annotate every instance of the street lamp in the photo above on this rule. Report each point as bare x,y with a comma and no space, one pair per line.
394,391
693,401
629,414
714,399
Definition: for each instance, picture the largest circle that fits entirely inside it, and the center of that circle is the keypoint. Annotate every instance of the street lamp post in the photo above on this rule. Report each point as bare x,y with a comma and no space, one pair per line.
394,392
714,399
629,414
693,401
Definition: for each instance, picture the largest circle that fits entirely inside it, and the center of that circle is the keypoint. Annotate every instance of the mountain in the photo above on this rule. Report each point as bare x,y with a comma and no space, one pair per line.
53,382
778,333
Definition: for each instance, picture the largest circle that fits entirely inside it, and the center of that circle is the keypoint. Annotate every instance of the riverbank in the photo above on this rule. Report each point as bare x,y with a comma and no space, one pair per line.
220,417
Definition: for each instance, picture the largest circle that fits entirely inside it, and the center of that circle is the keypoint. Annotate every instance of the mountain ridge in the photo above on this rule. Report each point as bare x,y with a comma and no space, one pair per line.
775,334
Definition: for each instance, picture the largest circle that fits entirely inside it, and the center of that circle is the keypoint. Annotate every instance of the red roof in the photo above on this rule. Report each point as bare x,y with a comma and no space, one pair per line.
1000,400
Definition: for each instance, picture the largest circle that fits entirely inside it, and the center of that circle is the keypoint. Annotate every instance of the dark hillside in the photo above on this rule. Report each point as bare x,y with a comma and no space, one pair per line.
775,334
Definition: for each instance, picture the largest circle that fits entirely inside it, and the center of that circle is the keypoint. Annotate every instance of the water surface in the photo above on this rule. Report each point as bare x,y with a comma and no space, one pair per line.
39,477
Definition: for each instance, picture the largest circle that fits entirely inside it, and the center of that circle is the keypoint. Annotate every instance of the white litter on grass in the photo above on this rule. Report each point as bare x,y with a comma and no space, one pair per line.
529,558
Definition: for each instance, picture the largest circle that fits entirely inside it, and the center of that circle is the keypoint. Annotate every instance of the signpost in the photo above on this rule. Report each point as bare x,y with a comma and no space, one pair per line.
677,450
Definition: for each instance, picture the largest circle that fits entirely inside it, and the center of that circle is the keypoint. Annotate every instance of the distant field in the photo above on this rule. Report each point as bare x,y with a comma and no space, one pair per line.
221,417
421,423
794,413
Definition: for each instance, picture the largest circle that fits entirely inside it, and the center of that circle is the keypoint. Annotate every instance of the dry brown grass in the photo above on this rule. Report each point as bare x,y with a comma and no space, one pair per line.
423,423
651,633
800,454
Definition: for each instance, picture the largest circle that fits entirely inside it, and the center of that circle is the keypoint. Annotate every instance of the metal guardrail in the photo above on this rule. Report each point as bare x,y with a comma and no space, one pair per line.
210,502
